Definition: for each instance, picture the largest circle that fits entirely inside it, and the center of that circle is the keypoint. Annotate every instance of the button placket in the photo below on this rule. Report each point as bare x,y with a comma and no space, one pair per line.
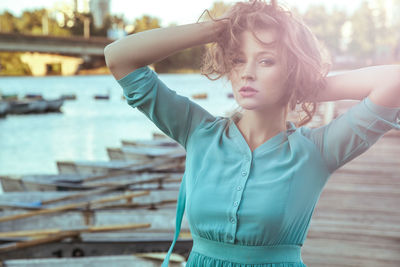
239,188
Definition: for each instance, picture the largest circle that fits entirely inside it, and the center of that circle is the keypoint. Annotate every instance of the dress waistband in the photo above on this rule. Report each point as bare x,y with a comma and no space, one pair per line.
246,254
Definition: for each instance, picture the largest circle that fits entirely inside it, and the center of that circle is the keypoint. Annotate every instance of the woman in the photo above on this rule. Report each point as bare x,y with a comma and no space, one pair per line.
252,180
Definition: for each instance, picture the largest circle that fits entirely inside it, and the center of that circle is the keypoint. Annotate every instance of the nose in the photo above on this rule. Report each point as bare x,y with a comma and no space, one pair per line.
248,72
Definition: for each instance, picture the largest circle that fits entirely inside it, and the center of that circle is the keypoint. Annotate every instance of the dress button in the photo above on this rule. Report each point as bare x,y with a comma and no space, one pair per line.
244,173
232,220
239,188
235,203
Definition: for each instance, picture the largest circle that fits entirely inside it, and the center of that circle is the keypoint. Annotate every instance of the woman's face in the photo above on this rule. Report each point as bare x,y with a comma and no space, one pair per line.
257,66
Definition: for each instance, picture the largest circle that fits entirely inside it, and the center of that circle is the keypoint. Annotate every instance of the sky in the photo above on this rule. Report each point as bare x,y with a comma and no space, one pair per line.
168,11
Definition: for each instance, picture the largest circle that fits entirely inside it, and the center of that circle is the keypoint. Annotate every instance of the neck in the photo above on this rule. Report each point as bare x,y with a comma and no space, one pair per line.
257,127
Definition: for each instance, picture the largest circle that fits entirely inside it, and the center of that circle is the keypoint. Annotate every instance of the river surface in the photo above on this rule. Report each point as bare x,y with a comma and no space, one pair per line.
31,144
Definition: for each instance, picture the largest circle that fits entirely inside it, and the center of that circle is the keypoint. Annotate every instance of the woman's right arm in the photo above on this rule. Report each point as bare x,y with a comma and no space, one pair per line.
128,58
140,49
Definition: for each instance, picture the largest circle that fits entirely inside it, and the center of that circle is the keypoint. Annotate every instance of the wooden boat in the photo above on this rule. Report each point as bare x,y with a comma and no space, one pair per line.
4,106
68,96
34,106
200,96
107,96
24,107
157,208
144,153
102,97
54,105
93,167
12,183
9,97
138,259
172,162
96,200
37,106
34,96
70,182
150,143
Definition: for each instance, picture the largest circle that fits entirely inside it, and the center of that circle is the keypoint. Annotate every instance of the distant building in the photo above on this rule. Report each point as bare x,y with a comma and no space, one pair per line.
100,10
81,6
391,8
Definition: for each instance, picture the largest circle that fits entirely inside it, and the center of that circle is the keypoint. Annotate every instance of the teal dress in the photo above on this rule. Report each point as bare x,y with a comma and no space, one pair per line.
251,208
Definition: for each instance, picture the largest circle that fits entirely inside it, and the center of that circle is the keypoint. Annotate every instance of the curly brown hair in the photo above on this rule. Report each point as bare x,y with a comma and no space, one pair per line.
306,59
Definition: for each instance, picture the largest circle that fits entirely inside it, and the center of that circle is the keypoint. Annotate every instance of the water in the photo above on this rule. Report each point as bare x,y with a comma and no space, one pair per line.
31,144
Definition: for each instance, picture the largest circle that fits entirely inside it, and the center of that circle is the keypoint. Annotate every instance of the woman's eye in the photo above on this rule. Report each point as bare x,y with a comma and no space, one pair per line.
267,61
237,60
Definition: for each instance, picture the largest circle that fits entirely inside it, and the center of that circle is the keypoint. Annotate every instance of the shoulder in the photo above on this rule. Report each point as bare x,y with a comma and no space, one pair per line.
302,138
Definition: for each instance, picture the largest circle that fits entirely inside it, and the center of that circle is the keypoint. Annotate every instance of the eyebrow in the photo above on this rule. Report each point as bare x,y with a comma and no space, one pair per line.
265,52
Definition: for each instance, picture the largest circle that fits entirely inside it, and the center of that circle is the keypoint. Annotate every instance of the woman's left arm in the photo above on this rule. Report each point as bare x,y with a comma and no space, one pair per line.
380,83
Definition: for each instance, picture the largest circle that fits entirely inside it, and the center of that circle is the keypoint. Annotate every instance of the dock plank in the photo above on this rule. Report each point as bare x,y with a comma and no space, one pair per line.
356,221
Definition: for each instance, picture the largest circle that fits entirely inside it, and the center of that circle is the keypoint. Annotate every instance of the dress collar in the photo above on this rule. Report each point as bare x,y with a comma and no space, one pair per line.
271,143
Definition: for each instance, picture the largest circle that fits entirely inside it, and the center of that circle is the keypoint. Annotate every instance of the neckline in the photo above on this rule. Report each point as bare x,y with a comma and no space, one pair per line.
272,142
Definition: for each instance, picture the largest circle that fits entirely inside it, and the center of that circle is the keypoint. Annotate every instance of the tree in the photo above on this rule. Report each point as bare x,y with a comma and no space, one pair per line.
364,35
145,23
8,23
386,32
326,27
11,64
31,22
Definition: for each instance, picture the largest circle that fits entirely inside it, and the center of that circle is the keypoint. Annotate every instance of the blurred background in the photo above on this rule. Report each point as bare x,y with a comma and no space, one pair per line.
53,50
357,33
66,127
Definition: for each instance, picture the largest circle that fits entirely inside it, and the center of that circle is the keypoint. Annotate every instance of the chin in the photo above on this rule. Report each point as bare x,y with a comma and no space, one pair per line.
249,106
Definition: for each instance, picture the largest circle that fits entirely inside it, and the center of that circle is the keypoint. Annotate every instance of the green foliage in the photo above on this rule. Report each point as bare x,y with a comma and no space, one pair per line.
8,22
31,23
326,27
145,23
364,32
11,64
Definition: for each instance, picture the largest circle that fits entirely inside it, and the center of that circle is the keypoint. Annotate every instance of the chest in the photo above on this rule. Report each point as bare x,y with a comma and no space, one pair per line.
249,189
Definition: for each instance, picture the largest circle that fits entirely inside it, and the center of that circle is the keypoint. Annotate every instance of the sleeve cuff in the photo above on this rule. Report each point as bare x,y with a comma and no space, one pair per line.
134,75
391,115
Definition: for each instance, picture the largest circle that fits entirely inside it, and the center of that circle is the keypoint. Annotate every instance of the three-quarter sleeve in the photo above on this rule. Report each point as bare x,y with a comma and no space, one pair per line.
175,115
353,132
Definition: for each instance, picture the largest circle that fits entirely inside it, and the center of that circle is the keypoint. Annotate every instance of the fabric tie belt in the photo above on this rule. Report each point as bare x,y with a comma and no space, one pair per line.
246,254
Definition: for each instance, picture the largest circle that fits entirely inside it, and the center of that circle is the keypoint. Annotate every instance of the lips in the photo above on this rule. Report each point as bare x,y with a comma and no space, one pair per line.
247,89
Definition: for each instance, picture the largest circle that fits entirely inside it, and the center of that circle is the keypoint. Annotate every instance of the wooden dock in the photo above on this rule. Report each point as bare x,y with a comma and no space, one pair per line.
357,219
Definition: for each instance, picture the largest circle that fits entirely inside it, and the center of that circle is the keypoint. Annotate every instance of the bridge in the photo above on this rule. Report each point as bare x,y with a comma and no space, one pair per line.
43,51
